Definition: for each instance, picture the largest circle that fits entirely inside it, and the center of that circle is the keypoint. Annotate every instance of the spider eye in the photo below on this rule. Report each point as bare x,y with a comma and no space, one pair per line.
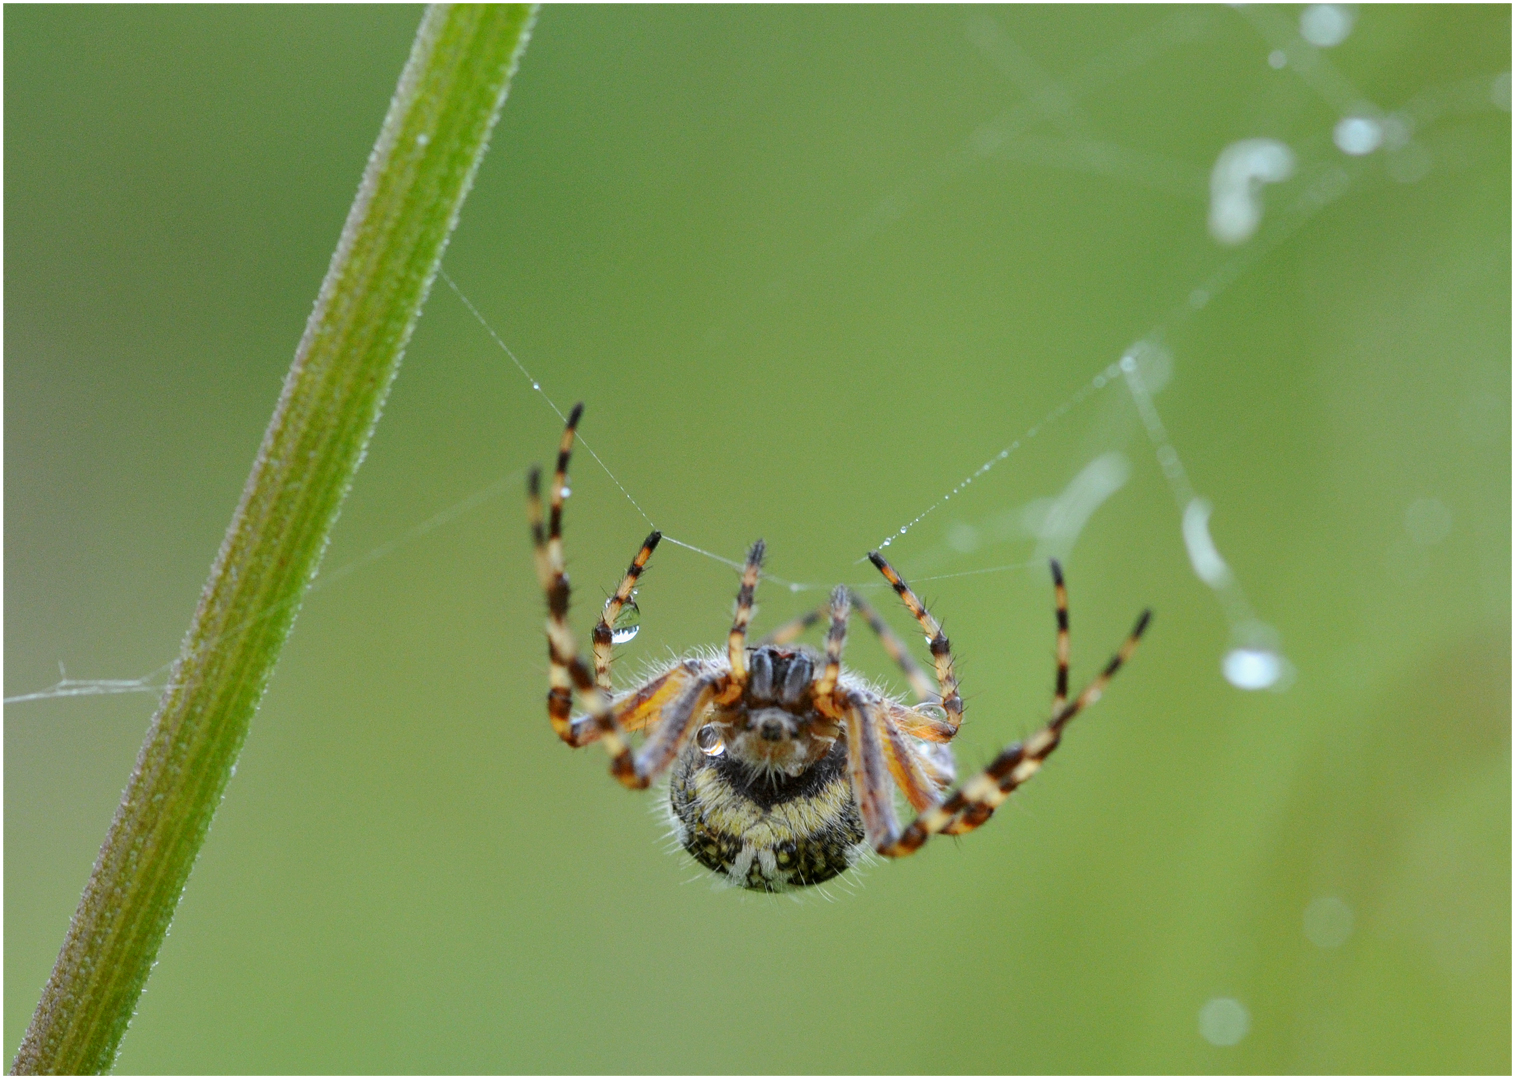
709,740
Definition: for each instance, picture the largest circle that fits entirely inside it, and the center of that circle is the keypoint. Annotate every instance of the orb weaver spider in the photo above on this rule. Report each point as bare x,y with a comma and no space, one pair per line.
782,762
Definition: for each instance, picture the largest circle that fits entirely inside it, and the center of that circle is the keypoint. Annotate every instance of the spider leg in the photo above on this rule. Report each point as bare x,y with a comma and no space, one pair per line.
905,763
566,671
937,642
836,638
604,631
560,481
870,772
736,641
973,803
678,722
1061,604
897,651
634,709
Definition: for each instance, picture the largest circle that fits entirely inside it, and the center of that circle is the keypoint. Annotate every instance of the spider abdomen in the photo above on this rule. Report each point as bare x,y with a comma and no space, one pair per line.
765,831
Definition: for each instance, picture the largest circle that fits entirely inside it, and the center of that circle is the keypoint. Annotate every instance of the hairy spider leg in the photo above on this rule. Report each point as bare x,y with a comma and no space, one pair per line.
870,772
560,482
566,671
937,642
905,761
736,641
897,652
893,646
975,801
604,630
1061,606
836,638
675,727
560,696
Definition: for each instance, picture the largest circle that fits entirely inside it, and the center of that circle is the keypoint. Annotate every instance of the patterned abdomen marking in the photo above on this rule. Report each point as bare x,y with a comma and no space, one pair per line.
766,833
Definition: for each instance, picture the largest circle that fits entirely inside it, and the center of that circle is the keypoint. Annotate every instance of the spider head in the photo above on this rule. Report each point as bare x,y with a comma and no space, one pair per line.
775,727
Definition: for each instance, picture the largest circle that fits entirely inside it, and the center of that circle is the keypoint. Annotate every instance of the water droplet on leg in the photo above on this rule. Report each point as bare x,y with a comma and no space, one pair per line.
627,625
709,740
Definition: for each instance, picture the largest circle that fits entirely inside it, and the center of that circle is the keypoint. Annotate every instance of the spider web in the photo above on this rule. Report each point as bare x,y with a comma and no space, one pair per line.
1258,194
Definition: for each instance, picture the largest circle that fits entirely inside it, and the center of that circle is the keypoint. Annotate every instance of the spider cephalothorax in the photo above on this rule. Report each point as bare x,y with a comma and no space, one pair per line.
782,764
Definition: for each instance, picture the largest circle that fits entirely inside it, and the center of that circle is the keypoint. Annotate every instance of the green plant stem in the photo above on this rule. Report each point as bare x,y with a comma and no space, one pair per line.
421,168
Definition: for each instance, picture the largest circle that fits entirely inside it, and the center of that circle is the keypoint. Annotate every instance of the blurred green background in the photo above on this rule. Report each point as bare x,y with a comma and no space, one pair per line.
808,268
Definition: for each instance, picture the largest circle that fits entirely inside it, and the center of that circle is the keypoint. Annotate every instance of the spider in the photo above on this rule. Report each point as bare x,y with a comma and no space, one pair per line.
782,763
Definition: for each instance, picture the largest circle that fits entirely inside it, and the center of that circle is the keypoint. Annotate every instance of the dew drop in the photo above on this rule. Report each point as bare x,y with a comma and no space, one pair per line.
710,742
1237,181
1326,25
1358,135
936,712
1224,1021
1252,669
536,386
627,624
886,541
